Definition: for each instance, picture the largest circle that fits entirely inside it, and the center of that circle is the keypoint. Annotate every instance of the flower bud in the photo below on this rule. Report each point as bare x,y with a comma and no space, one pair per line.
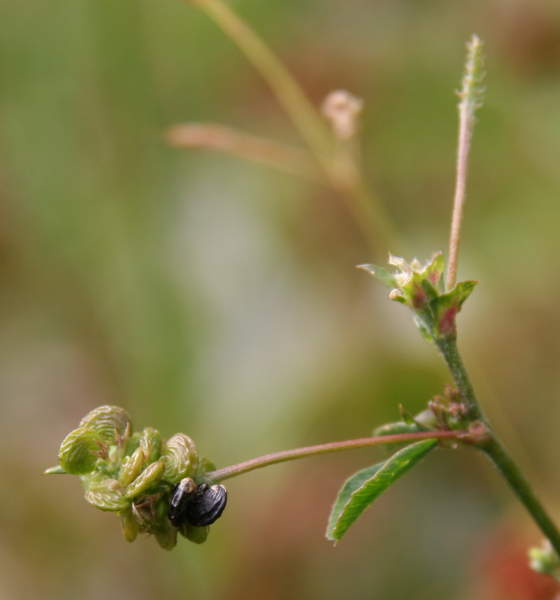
421,288
543,559
342,109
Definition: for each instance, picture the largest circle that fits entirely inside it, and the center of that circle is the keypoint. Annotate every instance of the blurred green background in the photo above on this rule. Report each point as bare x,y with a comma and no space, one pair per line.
216,297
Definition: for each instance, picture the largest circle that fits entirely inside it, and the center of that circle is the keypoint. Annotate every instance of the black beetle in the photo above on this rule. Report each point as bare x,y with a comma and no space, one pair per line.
196,505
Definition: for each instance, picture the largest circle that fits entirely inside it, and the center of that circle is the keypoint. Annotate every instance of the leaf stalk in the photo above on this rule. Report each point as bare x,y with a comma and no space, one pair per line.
329,447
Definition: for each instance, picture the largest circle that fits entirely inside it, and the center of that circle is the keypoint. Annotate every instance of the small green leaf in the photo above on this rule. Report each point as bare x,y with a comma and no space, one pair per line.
195,534
360,490
446,307
104,493
146,480
58,470
79,451
150,442
129,525
344,494
434,270
110,422
383,275
131,467
181,458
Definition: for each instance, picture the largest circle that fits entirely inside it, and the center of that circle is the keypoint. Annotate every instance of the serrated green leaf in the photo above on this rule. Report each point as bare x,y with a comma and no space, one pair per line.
360,490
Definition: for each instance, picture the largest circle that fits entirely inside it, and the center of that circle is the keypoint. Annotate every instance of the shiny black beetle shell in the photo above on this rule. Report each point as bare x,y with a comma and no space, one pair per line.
196,505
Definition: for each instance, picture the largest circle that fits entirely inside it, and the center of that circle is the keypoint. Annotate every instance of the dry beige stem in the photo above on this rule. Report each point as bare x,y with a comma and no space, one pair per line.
243,145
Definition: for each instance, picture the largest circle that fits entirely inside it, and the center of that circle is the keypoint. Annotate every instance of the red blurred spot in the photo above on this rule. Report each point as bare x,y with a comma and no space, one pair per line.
504,572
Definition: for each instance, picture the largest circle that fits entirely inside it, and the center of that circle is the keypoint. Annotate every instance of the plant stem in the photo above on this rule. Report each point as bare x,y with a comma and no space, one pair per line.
245,145
521,488
450,353
367,210
493,447
297,453
466,124
292,99
471,99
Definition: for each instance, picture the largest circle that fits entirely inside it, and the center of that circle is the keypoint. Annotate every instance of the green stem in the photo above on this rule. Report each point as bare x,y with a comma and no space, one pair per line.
286,455
450,353
522,489
493,448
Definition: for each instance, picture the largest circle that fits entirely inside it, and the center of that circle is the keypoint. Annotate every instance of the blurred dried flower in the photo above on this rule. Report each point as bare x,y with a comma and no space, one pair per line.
342,109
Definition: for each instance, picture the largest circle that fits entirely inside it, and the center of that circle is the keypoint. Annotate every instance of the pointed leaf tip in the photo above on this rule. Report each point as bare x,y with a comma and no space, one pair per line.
362,488
57,470
383,275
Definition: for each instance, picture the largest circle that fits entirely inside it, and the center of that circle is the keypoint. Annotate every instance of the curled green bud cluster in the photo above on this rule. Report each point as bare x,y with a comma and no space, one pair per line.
132,473
421,288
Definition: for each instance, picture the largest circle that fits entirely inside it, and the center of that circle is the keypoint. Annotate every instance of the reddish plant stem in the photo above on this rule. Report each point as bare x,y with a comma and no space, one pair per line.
296,453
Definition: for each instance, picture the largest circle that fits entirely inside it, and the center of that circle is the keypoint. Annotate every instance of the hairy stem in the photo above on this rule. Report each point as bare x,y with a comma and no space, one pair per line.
297,453
466,124
450,353
471,100
495,450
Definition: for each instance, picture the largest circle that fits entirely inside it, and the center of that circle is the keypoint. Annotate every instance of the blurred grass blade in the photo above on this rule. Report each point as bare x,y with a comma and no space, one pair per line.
362,488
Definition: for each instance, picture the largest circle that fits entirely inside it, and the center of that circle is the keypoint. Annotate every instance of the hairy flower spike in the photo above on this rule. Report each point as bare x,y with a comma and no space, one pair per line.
132,473
472,88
